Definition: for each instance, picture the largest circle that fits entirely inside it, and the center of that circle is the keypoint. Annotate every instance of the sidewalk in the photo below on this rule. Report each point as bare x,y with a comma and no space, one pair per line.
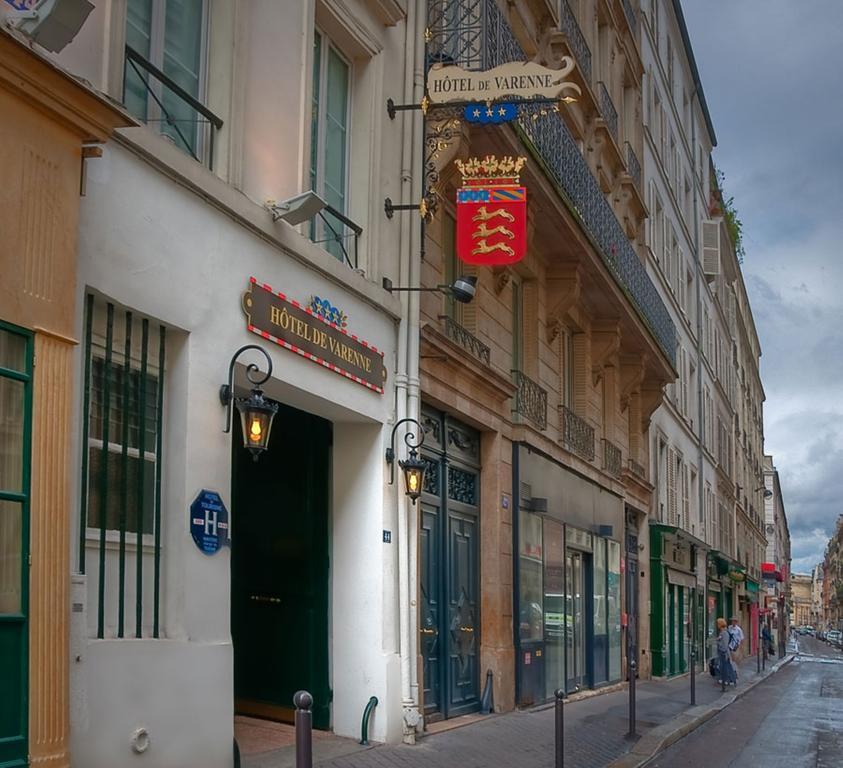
595,731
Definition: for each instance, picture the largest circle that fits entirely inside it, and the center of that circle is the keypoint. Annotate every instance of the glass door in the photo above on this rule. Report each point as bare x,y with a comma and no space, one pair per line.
575,620
15,418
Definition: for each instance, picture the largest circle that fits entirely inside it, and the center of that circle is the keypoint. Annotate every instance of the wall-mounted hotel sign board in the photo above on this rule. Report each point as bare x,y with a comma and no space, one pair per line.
277,318
519,79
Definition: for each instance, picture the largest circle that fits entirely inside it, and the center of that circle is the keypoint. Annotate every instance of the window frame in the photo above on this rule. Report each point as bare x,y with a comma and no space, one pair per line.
157,37
319,232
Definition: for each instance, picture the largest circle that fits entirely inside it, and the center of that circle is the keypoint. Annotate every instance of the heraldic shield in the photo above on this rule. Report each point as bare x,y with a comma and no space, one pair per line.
491,212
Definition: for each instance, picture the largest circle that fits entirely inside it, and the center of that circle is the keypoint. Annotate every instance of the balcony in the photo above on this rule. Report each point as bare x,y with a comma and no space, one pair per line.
577,435
468,341
612,458
637,469
156,99
576,41
633,167
530,400
475,35
607,109
631,18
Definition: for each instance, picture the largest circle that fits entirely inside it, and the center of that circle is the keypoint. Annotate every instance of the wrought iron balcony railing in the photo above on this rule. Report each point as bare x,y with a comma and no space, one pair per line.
579,47
637,469
468,341
631,18
612,458
154,97
607,109
530,400
633,166
577,435
475,35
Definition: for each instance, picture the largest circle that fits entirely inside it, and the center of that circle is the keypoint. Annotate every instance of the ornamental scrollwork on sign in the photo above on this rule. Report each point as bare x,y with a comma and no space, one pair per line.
327,311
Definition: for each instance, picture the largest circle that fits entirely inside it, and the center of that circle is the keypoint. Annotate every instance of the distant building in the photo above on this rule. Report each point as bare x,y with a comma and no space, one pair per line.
775,569
801,601
817,596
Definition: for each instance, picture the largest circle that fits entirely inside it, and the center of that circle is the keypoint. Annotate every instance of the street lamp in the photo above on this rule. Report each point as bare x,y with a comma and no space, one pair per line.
768,494
462,289
256,412
413,467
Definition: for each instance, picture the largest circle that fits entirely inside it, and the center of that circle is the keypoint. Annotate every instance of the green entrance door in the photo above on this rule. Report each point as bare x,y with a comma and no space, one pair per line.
279,569
15,425
449,631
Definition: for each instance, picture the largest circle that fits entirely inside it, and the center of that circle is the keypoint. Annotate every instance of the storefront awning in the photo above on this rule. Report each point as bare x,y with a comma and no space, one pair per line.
680,533
680,578
751,586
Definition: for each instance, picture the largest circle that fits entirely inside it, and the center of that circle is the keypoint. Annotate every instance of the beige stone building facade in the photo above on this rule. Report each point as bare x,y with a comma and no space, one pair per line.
801,600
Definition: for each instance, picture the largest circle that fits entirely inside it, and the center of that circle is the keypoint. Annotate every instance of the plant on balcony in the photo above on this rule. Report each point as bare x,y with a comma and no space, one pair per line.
720,205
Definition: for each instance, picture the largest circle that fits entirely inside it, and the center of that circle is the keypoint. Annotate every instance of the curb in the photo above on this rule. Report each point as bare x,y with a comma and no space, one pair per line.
658,739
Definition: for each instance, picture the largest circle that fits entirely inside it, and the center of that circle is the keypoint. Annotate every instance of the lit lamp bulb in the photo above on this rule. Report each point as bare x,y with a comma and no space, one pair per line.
413,482
255,431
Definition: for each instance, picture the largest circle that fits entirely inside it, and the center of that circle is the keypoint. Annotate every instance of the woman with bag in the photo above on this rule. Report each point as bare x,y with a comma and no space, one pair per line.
725,670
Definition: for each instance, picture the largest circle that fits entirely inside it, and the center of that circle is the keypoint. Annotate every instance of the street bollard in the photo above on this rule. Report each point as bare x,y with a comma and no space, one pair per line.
693,675
632,667
560,729
303,703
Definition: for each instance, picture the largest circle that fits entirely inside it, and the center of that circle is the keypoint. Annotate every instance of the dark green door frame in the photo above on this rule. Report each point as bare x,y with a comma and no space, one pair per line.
14,625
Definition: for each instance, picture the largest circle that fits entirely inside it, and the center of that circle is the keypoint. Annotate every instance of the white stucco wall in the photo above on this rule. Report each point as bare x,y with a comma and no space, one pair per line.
160,249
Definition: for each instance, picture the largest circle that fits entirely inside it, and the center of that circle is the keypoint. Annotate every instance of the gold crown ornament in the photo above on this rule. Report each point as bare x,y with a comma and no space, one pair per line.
506,169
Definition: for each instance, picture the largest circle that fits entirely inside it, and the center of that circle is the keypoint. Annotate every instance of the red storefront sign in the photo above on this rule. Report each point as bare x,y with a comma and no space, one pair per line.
491,212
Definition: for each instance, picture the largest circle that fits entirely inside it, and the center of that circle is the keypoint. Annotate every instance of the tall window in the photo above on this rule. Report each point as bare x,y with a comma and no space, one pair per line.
122,468
451,267
169,35
517,325
329,136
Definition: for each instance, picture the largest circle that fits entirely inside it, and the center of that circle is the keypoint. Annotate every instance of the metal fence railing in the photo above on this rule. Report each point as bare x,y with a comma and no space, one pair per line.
576,433
530,400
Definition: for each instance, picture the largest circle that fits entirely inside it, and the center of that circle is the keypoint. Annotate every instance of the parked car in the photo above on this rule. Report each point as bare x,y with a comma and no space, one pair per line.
833,637
820,634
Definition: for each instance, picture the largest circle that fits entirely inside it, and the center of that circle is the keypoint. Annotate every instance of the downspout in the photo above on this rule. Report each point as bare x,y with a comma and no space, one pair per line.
413,345
700,424
408,224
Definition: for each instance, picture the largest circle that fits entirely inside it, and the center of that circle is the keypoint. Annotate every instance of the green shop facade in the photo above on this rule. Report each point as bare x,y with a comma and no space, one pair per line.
691,586
677,599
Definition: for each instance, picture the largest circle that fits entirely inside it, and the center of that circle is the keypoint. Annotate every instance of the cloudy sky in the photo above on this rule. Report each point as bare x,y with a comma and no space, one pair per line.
772,72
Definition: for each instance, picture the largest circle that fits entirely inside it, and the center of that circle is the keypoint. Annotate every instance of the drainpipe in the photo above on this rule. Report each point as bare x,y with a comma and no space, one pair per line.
407,351
700,424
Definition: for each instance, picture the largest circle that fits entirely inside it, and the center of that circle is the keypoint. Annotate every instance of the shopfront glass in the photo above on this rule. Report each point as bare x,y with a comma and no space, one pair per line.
614,605
554,606
599,600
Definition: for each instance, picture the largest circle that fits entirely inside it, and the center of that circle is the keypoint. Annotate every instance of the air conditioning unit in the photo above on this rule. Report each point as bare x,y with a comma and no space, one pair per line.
711,248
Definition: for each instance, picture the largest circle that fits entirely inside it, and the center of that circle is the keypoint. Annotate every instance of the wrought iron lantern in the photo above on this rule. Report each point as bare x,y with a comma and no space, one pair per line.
256,412
413,467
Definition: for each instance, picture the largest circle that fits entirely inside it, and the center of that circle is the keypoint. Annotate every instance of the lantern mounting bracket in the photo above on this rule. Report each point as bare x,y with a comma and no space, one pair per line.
413,467
253,374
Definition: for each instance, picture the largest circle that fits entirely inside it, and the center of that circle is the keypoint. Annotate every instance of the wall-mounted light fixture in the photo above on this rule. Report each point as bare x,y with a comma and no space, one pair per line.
413,467
462,289
256,412
768,494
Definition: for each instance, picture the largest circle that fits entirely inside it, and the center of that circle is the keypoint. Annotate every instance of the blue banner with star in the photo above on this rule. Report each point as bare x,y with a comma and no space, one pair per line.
490,113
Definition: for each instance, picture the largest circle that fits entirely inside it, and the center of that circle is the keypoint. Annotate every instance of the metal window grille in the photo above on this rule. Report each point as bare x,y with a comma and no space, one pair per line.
579,47
468,341
612,458
120,525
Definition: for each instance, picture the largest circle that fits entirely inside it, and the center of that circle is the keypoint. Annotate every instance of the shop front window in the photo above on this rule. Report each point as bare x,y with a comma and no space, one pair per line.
613,585
555,618
601,638
531,620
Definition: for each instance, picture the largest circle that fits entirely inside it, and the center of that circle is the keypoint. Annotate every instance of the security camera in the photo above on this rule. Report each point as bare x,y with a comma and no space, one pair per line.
464,288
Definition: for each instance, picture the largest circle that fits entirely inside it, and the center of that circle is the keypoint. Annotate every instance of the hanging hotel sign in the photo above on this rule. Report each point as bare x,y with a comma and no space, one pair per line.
521,79
491,211
284,321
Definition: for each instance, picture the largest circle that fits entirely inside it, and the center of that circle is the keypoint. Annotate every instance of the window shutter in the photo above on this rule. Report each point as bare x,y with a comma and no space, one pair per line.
685,498
671,486
711,248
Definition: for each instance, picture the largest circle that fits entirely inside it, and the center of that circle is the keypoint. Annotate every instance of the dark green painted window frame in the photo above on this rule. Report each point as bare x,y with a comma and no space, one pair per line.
24,498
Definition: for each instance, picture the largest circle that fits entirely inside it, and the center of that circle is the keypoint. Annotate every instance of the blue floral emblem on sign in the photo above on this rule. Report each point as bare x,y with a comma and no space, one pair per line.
327,311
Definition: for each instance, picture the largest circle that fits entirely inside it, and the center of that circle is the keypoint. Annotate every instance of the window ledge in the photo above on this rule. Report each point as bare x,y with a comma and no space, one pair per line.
148,145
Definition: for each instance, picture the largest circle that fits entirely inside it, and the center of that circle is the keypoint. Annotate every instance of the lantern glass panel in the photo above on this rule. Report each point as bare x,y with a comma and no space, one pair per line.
257,425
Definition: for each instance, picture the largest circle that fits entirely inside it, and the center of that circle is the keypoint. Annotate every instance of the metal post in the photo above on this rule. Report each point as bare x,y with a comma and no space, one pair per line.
303,703
560,729
632,667
693,675
758,650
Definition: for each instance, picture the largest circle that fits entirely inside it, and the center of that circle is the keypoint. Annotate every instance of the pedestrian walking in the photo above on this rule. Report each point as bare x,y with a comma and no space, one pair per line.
735,643
766,640
725,670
